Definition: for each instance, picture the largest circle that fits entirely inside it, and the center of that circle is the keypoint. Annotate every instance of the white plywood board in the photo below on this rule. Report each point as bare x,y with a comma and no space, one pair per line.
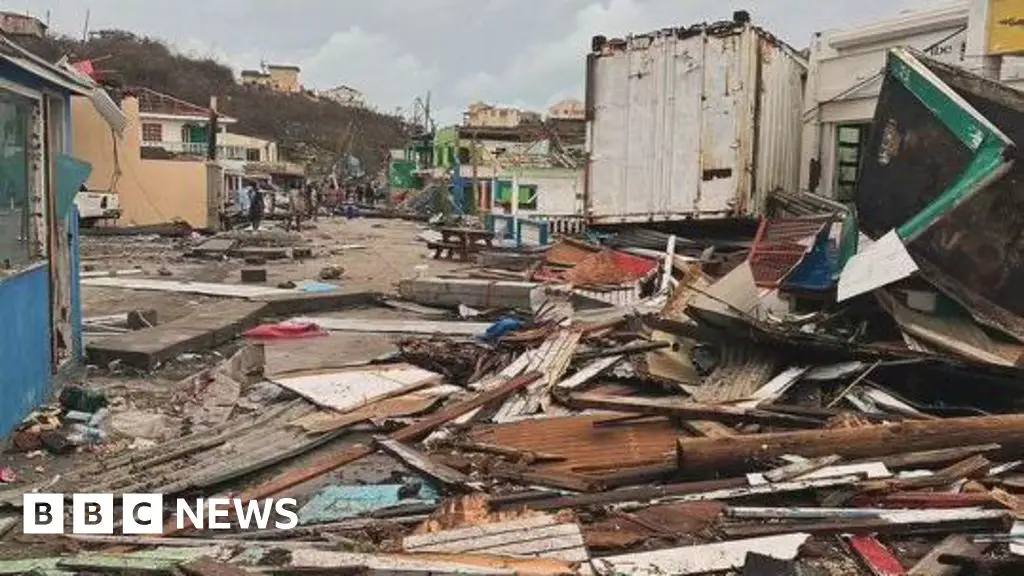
702,559
350,389
879,264
398,326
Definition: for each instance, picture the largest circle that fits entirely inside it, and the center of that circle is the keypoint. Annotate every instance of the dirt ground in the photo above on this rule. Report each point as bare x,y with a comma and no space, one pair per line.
375,255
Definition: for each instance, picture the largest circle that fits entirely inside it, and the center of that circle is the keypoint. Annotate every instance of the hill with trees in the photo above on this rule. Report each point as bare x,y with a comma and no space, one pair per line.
307,129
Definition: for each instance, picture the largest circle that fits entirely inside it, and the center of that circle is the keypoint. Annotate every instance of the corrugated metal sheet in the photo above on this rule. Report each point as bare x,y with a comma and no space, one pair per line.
586,446
781,245
702,122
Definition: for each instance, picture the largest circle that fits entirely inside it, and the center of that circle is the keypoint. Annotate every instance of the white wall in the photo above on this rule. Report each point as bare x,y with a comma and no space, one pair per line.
845,75
559,190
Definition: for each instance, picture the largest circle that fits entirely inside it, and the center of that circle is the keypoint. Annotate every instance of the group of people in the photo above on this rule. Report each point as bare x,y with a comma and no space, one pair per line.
302,202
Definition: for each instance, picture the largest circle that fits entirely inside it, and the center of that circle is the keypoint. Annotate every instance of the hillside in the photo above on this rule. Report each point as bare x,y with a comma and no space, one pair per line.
305,128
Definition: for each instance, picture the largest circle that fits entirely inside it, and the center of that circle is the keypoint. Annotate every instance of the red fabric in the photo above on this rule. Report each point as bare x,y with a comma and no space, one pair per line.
285,330
85,67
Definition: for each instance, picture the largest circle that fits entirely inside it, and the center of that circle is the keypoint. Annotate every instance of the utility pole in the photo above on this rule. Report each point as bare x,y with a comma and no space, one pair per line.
85,28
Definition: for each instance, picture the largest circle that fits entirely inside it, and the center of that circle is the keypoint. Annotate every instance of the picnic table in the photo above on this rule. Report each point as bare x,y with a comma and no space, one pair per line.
461,241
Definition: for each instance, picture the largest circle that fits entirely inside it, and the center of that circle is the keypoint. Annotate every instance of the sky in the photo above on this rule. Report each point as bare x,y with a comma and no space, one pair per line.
525,53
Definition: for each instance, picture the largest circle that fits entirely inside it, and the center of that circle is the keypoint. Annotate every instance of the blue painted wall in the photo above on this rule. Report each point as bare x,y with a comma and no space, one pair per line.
25,375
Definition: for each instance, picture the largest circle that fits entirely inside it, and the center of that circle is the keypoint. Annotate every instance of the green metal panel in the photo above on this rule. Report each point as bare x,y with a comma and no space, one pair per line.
987,142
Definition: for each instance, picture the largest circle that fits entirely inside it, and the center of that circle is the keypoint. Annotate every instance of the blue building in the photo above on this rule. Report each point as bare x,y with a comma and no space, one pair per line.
40,304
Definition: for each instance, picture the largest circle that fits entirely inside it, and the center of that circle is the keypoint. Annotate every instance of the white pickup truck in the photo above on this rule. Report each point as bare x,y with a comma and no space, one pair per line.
96,206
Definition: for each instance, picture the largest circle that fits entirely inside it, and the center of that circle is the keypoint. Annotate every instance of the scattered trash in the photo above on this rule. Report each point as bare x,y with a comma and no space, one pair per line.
285,330
331,273
8,475
500,328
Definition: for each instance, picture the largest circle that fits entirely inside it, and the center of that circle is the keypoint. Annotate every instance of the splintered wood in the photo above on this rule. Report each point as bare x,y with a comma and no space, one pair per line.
551,360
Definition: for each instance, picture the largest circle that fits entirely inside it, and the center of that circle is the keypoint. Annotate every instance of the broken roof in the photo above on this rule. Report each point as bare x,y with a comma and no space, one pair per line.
153,102
41,69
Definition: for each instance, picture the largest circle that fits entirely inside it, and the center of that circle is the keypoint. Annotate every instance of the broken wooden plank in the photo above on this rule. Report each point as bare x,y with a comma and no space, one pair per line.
551,359
701,559
420,461
376,326
549,478
868,470
933,523
588,373
797,469
540,536
972,467
864,442
681,409
411,433
775,387
930,458
957,544
800,513
878,559
526,456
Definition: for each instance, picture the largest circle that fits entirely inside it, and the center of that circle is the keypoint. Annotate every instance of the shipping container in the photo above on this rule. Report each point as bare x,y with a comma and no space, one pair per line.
698,122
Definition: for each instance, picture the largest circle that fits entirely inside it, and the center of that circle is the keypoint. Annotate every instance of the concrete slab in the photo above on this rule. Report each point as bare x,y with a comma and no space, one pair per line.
295,303
213,248
205,328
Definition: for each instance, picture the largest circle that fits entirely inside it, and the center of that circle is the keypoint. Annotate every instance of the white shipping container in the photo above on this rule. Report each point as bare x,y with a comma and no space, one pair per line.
700,122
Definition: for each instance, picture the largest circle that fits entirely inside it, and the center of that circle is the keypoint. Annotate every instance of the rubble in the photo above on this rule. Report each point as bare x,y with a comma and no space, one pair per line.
649,403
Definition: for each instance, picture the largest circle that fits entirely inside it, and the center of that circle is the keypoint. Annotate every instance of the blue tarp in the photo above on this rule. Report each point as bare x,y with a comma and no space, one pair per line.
334,503
71,174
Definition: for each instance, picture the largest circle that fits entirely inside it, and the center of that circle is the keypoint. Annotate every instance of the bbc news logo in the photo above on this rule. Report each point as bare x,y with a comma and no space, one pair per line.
144,513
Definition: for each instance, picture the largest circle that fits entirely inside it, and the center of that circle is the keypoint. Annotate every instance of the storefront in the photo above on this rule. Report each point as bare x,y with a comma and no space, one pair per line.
844,78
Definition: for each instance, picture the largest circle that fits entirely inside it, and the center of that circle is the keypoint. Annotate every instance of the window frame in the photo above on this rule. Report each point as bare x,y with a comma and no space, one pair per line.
845,189
33,223
159,127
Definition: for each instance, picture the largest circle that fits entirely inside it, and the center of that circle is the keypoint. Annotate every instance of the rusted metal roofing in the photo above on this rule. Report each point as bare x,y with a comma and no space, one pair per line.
569,253
780,245
610,267
586,446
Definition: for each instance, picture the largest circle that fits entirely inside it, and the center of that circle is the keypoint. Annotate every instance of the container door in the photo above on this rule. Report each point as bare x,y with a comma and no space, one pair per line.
721,124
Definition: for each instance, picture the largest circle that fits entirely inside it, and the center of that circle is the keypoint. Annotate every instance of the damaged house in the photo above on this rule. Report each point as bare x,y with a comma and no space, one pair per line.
39,292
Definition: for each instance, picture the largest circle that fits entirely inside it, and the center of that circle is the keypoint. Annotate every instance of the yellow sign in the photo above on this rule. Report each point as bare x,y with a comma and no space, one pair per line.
1005,27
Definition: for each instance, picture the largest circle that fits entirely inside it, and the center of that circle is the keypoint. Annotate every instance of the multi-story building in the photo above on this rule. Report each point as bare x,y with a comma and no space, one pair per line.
15,25
280,77
345,95
483,115
568,109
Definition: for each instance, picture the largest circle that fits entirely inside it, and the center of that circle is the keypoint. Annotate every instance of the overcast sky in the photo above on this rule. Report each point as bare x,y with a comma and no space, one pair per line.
527,53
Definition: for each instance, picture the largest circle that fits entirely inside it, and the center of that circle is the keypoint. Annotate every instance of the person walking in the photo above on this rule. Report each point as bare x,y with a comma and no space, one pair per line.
256,207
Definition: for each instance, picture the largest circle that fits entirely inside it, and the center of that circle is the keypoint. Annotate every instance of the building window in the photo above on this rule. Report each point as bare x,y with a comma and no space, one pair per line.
15,197
152,132
850,141
527,195
252,154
